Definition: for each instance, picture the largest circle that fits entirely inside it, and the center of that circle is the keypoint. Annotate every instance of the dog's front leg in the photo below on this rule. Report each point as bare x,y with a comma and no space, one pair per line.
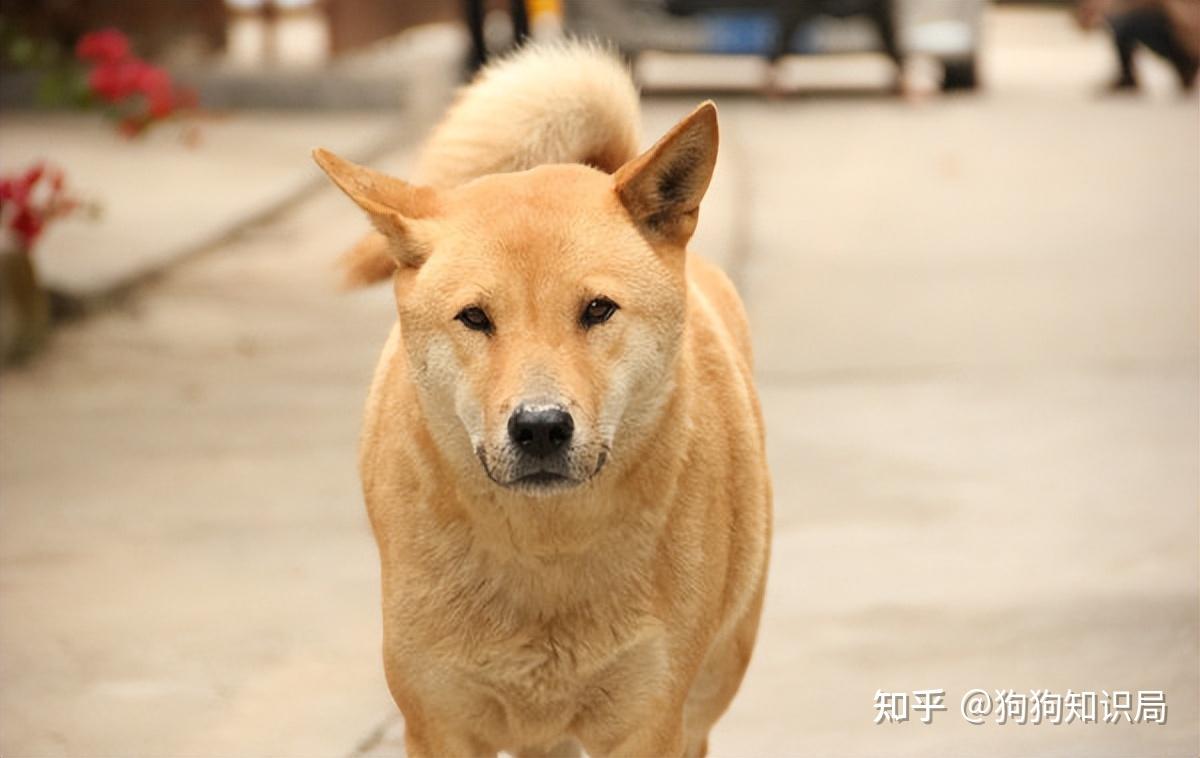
424,740
663,738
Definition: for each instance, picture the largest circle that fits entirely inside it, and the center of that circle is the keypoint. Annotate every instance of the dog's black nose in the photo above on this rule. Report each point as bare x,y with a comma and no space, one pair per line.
540,432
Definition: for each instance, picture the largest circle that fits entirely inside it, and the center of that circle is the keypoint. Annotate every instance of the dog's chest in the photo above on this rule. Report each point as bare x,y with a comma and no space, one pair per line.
545,674
551,658
539,663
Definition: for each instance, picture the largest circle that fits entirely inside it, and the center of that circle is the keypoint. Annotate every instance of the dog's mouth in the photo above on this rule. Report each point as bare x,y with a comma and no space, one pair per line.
542,480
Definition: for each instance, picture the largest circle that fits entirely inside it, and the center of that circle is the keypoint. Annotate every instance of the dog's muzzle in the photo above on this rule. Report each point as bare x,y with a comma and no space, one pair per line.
538,455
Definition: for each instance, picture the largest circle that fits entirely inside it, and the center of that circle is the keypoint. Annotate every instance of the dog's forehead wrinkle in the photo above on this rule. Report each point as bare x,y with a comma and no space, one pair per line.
541,248
545,188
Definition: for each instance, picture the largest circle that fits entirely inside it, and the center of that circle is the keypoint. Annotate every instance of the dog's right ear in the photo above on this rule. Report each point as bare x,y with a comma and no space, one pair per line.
663,186
392,205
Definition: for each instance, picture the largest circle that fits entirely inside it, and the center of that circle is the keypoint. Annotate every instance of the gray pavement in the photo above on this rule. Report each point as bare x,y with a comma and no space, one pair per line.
161,199
976,331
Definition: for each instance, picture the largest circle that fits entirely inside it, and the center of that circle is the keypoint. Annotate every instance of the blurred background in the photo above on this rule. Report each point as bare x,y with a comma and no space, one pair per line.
967,235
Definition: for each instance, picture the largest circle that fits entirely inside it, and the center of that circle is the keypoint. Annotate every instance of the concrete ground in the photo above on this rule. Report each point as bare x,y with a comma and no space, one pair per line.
976,324
156,194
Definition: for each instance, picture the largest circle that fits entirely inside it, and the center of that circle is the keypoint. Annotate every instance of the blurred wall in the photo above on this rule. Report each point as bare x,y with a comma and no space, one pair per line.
153,24
354,23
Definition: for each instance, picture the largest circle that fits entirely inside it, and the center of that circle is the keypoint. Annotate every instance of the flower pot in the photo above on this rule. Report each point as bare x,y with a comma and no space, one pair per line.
24,306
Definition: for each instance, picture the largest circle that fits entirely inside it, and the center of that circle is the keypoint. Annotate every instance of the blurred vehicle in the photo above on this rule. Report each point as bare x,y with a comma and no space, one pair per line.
946,30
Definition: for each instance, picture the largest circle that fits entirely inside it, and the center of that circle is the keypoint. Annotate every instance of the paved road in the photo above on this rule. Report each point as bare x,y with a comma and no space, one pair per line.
976,329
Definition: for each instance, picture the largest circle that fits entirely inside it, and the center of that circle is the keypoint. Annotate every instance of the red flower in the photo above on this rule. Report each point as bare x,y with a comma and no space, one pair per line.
26,213
161,104
17,189
151,78
33,176
27,225
155,84
103,46
115,81
139,94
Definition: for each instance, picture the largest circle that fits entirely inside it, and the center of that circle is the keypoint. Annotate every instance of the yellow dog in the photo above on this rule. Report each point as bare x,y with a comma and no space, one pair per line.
563,451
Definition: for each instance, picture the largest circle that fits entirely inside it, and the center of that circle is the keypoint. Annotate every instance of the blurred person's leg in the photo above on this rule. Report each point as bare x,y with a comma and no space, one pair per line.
520,22
474,13
882,15
1123,27
1160,36
1187,70
1150,27
789,15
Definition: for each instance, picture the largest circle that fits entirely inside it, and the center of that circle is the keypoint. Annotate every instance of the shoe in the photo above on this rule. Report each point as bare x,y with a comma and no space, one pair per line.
1122,85
1187,73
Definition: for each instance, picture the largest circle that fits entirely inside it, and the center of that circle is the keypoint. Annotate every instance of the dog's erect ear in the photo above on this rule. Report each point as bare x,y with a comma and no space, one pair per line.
391,204
663,186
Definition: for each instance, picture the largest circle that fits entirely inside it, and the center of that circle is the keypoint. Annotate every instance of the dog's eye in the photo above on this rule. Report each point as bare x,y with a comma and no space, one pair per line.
597,312
474,318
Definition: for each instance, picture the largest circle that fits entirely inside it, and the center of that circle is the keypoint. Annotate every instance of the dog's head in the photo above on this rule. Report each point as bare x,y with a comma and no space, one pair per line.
542,311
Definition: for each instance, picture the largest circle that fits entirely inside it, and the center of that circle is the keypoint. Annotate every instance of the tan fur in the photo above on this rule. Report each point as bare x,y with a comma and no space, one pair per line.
568,103
616,609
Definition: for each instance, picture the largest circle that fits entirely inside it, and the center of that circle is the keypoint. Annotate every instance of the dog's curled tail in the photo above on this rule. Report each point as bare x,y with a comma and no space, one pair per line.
567,102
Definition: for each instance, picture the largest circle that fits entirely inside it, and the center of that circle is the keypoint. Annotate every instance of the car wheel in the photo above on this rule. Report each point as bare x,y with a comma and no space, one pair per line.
959,75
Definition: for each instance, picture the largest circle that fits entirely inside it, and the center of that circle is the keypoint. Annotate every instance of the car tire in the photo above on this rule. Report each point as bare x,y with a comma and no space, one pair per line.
960,75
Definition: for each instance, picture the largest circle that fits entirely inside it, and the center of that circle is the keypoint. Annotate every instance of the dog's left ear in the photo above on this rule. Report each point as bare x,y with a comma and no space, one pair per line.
391,204
663,186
